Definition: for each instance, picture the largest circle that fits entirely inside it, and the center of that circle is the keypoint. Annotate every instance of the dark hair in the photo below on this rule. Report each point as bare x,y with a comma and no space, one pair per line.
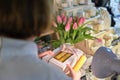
24,18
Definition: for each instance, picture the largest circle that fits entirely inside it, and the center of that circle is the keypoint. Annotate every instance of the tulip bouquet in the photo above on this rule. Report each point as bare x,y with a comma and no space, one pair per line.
71,30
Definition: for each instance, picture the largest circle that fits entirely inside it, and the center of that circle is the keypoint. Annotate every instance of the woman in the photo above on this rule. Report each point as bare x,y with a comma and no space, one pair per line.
20,22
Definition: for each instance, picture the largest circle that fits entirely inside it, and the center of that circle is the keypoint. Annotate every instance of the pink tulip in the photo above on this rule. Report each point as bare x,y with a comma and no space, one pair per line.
81,21
99,40
75,26
62,15
54,24
64,20
59,19
70,20
67,27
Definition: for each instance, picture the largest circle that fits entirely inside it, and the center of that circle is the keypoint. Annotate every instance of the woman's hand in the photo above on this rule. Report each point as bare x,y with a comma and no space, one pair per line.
73,74
45,53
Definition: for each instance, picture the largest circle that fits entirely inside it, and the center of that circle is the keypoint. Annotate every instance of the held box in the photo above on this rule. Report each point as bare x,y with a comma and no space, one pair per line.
74,57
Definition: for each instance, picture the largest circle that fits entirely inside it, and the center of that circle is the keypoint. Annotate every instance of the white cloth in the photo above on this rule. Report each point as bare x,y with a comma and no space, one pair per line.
19,61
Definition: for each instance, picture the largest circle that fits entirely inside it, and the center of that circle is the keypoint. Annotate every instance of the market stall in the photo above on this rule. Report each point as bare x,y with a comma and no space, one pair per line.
103,33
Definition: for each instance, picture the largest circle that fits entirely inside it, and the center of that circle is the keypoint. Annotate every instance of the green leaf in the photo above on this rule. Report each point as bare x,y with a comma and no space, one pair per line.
56,43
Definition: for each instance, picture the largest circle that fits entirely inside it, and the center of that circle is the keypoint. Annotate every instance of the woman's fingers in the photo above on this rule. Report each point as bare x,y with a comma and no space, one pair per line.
73,74
70,69
45,53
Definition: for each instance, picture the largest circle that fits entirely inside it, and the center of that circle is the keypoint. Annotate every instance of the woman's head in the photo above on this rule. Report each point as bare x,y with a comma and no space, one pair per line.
24,18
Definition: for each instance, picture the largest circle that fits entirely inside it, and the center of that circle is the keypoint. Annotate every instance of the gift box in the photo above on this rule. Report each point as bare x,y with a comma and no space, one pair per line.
67,55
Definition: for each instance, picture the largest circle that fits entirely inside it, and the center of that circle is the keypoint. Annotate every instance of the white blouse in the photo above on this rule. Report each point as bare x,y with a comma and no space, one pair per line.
19,61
